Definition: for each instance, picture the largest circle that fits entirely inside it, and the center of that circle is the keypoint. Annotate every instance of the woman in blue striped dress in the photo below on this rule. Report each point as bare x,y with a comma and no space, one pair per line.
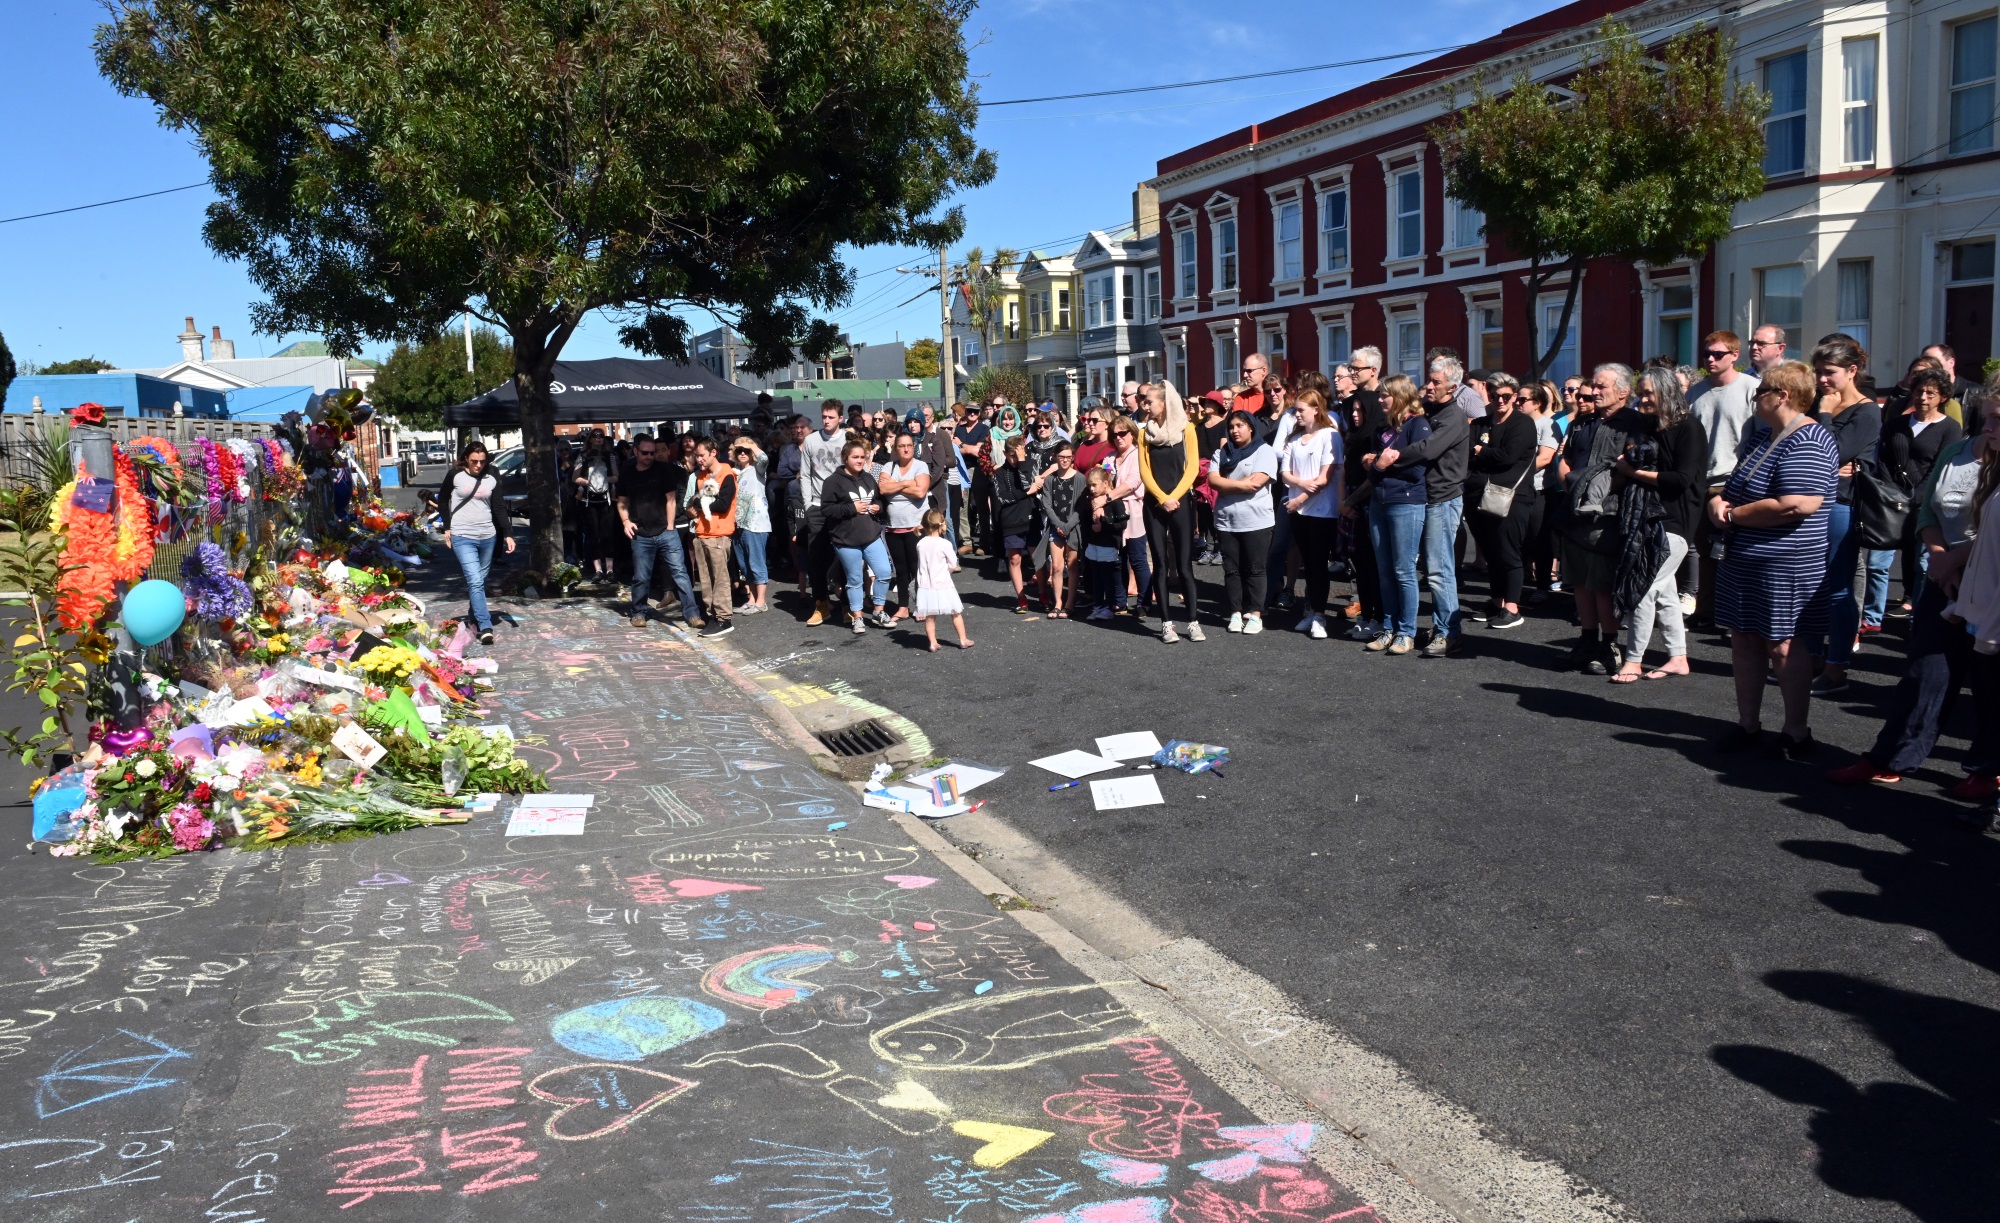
1771,521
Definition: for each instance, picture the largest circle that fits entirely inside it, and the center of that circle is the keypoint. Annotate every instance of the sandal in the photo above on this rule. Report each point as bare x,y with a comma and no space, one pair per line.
1626,677
1663,674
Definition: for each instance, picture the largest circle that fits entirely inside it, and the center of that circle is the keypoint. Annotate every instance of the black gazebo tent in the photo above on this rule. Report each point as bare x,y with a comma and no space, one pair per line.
617,388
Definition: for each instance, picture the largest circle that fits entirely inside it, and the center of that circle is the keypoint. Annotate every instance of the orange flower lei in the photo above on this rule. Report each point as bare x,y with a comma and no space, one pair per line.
107,548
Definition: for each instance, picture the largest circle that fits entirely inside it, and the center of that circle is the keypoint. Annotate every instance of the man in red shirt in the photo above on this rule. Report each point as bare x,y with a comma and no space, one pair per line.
1255,369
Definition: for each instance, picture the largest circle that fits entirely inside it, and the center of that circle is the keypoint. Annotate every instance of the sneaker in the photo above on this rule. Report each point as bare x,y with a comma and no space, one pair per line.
1600,664
1402,645
1382,642
1476,613
1870,628
1194,632
860,626
718,628
1440,646
1687,605
1235,622
1975,789
1736,739
1102,613
1167,634
1021,608
1861,772
486,636
820,610
1252,625
1783,747
1506,620
1318,632
1306,623
1823,685
750,609
1364,630
882,619
1555,588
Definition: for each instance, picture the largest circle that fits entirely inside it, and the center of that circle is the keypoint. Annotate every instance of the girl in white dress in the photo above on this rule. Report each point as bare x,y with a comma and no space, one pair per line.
937,560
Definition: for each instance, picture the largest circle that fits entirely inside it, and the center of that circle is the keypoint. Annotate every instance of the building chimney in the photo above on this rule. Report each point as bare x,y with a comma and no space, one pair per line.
1145,211
190,342
220,349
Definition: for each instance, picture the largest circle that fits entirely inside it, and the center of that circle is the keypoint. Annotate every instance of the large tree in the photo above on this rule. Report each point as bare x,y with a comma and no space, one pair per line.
1639,156
81,365
419,381
920,360
383,164
7,370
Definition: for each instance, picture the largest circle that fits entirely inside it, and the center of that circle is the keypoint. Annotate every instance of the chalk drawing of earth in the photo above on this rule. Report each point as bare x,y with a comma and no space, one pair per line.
628,1029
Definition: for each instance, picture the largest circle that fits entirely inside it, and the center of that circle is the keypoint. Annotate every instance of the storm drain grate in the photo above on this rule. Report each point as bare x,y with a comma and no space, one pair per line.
860,739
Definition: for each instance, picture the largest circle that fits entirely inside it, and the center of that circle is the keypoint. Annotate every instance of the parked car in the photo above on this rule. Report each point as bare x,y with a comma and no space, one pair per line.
437,452
511,466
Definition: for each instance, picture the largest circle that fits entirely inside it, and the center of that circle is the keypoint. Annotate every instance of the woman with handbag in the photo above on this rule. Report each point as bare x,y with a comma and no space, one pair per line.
1662,478
1912,440
1503,455
1856,425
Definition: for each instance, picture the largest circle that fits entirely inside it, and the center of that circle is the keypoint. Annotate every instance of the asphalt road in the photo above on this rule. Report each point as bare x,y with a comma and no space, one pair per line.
1717,988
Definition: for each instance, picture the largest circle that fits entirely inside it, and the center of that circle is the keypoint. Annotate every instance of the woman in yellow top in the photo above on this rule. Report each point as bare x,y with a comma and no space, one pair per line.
1169,462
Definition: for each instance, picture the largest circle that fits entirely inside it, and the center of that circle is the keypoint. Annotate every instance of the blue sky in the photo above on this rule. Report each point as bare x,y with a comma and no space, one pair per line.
115,282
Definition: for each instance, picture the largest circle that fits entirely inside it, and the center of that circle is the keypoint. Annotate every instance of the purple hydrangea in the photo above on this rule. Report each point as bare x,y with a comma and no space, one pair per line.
212,591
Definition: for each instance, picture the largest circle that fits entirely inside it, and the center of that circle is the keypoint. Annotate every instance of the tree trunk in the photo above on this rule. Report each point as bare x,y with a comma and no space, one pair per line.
534,367
1536,279
1548,357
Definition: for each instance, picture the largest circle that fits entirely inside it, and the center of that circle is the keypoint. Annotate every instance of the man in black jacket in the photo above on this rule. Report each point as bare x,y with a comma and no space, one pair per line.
1445,455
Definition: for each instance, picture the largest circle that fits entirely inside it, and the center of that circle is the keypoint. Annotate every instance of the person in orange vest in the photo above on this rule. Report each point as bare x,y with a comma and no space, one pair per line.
711,496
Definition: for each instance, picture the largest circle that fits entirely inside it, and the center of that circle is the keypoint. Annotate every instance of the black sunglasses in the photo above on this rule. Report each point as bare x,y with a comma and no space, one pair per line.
1717,354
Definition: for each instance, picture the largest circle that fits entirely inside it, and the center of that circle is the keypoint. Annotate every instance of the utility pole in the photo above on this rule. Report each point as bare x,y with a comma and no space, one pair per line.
949,376
468,344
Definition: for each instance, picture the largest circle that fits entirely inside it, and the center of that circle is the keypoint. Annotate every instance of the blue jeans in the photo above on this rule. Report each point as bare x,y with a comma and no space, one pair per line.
1142,571
1441,564
875,556
475,560
1876,603
1841,611
667,544
1396,531
748,548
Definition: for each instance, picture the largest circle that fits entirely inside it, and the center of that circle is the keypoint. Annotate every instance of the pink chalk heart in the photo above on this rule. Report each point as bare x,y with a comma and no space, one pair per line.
692,889
910,883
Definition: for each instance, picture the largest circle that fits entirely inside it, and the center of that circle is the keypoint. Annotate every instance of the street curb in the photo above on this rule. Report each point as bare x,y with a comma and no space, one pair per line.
1417,1156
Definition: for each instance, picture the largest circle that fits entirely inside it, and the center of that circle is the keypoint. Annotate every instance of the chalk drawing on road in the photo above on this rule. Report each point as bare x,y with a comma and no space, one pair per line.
767,978
1003,1143
1129,1173
627,1029
907,1113
596,1099
538,969
1007,1031
104,1070
837,1006
785,855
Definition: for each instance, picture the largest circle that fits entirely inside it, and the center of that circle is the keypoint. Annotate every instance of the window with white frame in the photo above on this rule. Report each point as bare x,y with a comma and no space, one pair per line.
1225,255
971,350
1062,309
1096,382
1463,225
1152,295
1034,314
1125,307
1785,128
1564,366
1673,312
1013,320
1406,336
1856,292
1096,308
1975,52
1781,304
1488,336
1857,105
1177,364
1271,342
1290,229
1333,229
1406,239
1335,343
1184,260
1225,355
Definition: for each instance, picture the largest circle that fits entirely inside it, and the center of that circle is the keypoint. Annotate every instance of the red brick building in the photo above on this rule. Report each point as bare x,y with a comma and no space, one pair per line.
1328,228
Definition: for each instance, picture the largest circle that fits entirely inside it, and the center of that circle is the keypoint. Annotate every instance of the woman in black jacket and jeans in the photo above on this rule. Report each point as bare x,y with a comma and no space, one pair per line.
1015,489
1503,455
1672,462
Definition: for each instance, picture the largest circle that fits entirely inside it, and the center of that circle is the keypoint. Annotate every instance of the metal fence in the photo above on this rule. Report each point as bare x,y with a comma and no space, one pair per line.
20,433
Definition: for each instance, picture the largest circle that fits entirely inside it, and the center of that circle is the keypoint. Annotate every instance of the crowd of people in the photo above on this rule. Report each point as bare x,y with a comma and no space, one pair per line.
1769,499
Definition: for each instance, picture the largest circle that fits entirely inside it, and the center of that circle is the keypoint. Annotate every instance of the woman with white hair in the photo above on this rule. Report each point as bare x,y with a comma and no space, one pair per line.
1169,462
1661,480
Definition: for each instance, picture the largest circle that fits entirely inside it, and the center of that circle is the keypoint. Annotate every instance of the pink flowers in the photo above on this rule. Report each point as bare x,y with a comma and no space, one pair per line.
191,829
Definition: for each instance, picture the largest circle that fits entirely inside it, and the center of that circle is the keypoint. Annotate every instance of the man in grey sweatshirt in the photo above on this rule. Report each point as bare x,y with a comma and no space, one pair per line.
1445,454
819,457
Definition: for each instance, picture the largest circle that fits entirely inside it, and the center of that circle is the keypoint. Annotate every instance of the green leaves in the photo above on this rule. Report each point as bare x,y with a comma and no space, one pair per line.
419,381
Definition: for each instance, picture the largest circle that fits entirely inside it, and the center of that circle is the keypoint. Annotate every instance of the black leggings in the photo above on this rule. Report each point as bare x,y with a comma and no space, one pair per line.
1314,537
1243,557
1501,544
1170,538
903,555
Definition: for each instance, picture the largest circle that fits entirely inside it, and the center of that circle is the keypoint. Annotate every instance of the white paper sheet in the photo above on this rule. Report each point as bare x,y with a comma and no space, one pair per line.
970,776
531,801
1113,793
1074,764
1136,745
916,801
546,821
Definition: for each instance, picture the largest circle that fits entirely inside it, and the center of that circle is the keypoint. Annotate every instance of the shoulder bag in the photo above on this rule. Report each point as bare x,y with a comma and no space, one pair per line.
1499,501
1881,507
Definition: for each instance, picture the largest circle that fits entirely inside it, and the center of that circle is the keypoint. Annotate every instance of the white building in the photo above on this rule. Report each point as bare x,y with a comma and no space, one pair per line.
1121,309
1883,204
219,368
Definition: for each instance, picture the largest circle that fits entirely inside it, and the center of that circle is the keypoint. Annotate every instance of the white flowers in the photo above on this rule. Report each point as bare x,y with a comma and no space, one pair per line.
145,768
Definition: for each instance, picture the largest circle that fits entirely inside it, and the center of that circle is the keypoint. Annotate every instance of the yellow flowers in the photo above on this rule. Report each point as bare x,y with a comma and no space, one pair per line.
390,665
278,643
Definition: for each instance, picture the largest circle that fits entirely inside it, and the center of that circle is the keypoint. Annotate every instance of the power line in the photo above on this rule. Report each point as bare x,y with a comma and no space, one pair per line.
1224,80
123,199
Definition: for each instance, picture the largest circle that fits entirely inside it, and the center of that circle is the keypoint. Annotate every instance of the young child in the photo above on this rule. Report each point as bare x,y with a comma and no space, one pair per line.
937,560
1104,520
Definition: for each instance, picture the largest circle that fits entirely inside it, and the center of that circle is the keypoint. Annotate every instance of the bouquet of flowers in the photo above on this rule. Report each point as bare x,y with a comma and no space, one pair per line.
213,592
390,665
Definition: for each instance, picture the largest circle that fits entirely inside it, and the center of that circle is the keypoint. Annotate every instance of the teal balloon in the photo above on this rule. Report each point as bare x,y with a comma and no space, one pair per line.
152,611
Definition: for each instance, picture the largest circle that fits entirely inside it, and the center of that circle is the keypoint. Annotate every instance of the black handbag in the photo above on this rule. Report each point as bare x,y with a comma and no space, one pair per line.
1881,507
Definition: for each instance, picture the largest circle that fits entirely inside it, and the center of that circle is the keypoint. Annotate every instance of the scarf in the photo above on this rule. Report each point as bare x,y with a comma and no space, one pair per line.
1001,432
1642,530
1232,454
1169,430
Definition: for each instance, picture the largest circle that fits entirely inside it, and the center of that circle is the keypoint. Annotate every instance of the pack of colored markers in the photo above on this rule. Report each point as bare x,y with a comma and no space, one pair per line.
1191,757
